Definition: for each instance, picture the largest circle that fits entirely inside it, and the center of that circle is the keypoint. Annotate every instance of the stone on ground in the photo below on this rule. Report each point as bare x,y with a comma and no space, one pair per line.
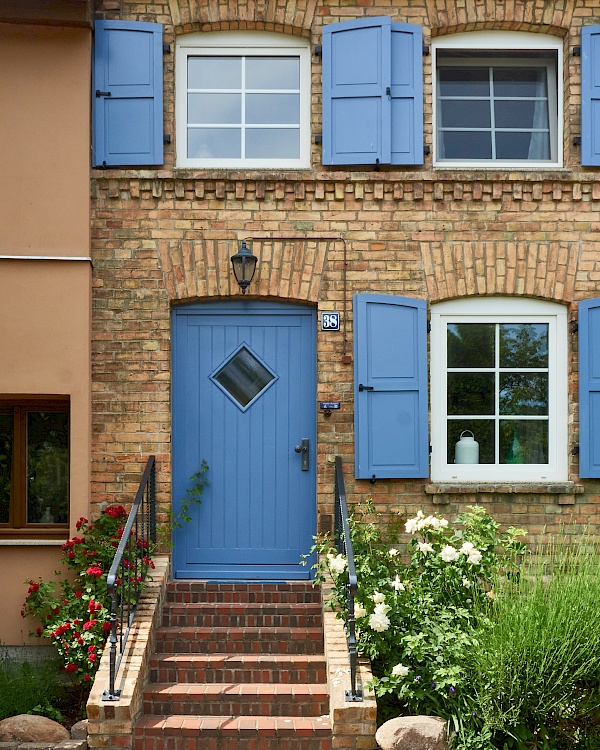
29,728
413,733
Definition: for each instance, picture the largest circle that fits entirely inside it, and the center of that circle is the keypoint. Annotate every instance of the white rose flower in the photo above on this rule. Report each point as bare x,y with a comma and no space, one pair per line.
467,548
359,610
382,609
378,597
474,557
393,552
397,584
466,583
443,523
434,522
400,670
379,622
412,524
449,554
338,564
425,547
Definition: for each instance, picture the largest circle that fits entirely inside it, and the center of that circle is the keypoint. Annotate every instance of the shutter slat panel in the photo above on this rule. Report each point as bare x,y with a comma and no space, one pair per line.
407,94
391,423
127,124
590,96
589,388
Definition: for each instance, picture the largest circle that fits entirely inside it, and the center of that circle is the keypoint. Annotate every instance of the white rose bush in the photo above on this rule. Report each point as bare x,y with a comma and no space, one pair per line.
417,611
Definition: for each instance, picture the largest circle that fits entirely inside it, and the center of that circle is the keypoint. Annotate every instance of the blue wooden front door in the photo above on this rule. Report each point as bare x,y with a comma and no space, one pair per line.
244,396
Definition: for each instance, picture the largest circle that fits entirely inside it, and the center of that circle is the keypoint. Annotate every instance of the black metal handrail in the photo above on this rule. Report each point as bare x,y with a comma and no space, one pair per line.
128,570
343,543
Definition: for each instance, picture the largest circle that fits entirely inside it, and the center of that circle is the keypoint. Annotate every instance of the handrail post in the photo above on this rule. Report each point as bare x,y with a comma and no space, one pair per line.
111,694
343,542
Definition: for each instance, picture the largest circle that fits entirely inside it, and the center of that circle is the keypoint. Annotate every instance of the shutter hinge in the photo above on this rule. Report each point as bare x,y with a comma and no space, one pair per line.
319,138
426,150
425,49
318,50
102,93
166,138
575,450
428,326
576,51
373,479
377,165
574,327
430,449
577,140
166,48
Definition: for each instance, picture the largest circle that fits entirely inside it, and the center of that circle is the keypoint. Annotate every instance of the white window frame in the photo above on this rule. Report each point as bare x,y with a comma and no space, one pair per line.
487,42
237,44
501,310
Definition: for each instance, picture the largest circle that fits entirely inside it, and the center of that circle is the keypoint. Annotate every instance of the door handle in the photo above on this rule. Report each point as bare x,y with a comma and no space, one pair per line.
303,449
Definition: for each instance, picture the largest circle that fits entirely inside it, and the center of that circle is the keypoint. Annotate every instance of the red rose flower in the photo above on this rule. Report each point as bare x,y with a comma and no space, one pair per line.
86,677
92,657
71,667
94,570
89,624
106,626
39,631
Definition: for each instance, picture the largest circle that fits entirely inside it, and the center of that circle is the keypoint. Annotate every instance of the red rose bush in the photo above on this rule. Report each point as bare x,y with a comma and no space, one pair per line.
75,613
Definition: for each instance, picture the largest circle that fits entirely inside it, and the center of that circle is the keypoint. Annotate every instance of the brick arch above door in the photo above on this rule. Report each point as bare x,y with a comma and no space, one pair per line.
546,270
286,269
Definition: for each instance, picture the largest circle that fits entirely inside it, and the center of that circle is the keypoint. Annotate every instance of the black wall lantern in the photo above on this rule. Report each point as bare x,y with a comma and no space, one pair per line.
244,266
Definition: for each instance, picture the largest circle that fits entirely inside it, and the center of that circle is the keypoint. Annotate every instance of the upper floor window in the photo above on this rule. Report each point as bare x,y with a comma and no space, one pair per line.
497,97
498,378
243,100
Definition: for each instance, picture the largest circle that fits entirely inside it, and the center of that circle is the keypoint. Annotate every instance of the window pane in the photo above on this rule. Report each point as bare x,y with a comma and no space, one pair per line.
458,144
534,146
220,109
471,393
482,429
523,442
244,377
275,109
273,143
6,457
524,345
211,143
464,81
47,467
521,114
524,393
515,82
457,113
214,72
471,344
273,73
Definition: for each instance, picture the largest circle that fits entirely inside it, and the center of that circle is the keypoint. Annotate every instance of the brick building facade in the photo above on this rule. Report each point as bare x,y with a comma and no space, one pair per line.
162,236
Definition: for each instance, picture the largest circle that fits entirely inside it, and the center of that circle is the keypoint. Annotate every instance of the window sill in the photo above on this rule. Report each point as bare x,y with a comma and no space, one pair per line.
443,491
31,542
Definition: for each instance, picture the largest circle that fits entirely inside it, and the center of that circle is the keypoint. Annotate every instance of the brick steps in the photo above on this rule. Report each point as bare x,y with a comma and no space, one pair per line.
239,640
240,615
237,667
255,699
302,668
232,733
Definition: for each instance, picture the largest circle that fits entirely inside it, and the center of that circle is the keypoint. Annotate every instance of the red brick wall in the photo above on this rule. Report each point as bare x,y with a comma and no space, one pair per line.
165,236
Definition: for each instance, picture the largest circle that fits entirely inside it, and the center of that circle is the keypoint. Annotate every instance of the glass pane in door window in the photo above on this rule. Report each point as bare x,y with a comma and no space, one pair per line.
47,467
471,393
6,458
524,393
471,345
523,441
524,345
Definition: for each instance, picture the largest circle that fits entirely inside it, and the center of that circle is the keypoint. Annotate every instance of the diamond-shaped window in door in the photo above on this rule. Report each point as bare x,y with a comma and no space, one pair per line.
243,377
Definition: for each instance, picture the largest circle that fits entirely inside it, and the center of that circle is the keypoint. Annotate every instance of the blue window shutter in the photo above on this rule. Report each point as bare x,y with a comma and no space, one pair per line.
356,75
127,126
407,94
590,96
589,388
390,410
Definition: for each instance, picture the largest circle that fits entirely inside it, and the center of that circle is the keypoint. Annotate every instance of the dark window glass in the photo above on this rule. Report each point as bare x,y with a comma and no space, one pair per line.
47,467
483,432
7,429
471,344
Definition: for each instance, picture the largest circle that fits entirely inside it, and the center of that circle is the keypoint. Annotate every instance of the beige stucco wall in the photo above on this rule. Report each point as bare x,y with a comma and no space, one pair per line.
44,304
44,122
45,349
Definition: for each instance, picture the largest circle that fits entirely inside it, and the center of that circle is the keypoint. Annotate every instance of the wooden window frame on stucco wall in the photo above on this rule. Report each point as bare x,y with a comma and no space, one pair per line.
17,527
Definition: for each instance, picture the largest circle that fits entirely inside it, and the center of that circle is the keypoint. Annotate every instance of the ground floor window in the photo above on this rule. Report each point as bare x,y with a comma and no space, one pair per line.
499,390
34,466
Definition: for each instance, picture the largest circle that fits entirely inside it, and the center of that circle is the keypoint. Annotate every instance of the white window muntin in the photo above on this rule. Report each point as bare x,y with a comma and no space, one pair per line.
503,41
243,46
500,310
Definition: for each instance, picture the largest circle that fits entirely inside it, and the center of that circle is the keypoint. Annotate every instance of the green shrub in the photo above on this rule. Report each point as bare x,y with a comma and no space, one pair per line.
536,664
23,687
